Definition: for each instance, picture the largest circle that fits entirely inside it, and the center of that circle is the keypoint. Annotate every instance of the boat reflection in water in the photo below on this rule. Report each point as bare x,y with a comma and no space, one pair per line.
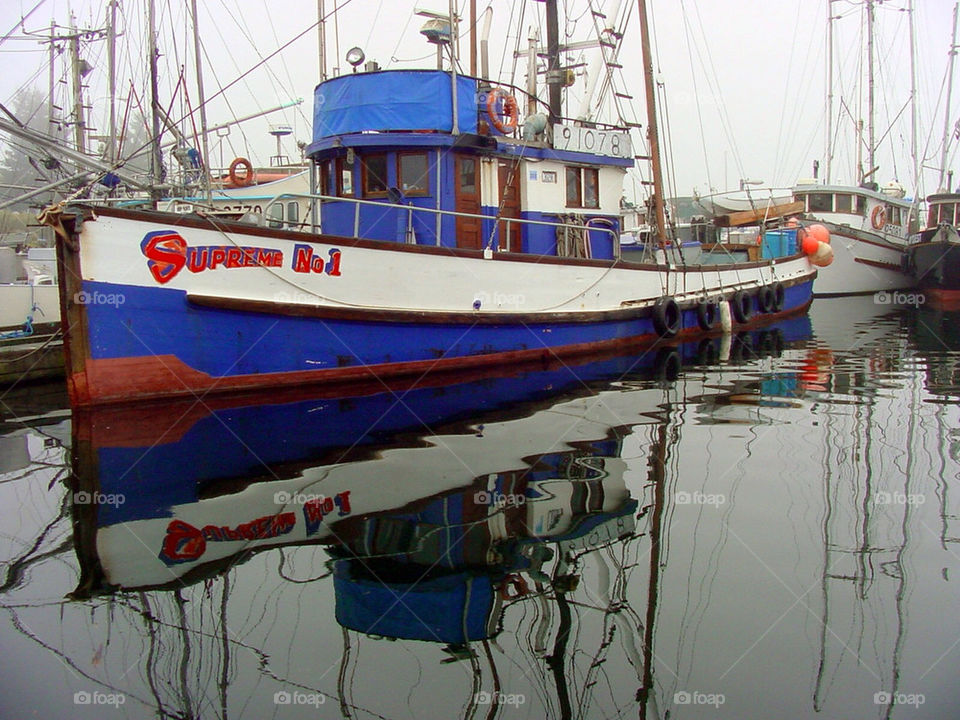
495,520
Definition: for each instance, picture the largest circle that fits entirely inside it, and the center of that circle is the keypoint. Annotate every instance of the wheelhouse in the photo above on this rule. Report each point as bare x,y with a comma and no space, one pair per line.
881,210
943,209
395,158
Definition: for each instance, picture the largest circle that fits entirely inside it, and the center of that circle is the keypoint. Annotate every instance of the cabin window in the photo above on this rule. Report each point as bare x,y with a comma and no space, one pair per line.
844,203
861,205
413,173
468,176
293,214
375,175
344,178
583,187
275,216
945,213
820,202
893,215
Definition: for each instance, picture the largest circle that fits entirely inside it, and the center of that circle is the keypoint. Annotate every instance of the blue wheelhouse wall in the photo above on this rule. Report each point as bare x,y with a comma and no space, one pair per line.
403,111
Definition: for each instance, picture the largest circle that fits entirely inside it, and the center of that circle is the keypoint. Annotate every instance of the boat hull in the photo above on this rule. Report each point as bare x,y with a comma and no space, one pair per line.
188,307
935,266
862,265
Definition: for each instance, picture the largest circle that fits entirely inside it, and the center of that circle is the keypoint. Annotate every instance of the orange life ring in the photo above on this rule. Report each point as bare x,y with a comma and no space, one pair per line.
878,218
511,111
247,178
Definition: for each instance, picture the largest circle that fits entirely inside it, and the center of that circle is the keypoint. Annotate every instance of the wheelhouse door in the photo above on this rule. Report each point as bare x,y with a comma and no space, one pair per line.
509,182
467,198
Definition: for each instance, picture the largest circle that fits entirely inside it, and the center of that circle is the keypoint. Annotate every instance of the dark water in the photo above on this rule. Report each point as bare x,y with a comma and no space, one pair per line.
764,529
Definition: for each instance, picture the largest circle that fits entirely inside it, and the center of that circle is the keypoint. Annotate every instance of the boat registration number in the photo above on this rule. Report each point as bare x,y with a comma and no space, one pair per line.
614,143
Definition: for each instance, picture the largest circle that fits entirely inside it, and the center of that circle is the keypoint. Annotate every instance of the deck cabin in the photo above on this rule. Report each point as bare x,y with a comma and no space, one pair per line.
397,159
943,209
860,208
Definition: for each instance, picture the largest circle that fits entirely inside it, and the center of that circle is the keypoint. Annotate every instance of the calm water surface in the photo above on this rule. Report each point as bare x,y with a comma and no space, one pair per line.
761,528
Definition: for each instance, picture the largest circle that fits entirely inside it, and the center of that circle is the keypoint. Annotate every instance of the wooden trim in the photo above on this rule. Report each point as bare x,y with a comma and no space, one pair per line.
763,212
413,317
878,264
430,317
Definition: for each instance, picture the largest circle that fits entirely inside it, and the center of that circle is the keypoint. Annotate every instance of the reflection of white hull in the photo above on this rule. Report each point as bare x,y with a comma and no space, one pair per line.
861,266
391,481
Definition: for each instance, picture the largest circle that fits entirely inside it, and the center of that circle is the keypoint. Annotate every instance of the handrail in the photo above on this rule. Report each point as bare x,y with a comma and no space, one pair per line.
435,211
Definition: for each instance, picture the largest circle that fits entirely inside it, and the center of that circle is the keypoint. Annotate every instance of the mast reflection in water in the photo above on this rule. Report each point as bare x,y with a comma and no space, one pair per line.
665,533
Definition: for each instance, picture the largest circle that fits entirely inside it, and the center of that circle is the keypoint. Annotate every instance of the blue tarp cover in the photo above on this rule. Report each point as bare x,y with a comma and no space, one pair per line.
393,100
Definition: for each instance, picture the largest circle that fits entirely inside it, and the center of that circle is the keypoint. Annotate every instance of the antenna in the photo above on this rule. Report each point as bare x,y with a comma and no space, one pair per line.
279,132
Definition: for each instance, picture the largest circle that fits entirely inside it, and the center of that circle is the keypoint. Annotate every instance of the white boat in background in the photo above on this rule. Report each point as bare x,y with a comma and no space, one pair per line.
29,298
235,199
745,200
869,232
30,343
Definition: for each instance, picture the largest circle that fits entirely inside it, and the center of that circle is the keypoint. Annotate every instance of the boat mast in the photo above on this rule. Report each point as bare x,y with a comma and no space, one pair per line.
946,112
473,38
50,97
322,39
112,79
913,99
829,144
204,146
653,136
79,134
156,159
871,149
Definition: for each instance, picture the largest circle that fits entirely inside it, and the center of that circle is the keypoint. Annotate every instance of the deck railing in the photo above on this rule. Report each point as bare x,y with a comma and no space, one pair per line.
316,226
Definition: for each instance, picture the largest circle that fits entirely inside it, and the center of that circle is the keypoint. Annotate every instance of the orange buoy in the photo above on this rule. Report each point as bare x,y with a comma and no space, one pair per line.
809,244
823,256
793,223
820,232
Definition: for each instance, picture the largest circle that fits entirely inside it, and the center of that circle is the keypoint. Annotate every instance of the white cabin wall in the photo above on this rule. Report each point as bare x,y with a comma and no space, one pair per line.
545,197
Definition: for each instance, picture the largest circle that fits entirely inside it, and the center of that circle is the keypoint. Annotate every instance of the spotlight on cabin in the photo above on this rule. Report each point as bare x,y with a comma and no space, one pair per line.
355,56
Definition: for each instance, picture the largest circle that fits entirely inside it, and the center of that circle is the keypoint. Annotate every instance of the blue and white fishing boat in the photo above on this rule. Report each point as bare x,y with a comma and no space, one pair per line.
446,232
